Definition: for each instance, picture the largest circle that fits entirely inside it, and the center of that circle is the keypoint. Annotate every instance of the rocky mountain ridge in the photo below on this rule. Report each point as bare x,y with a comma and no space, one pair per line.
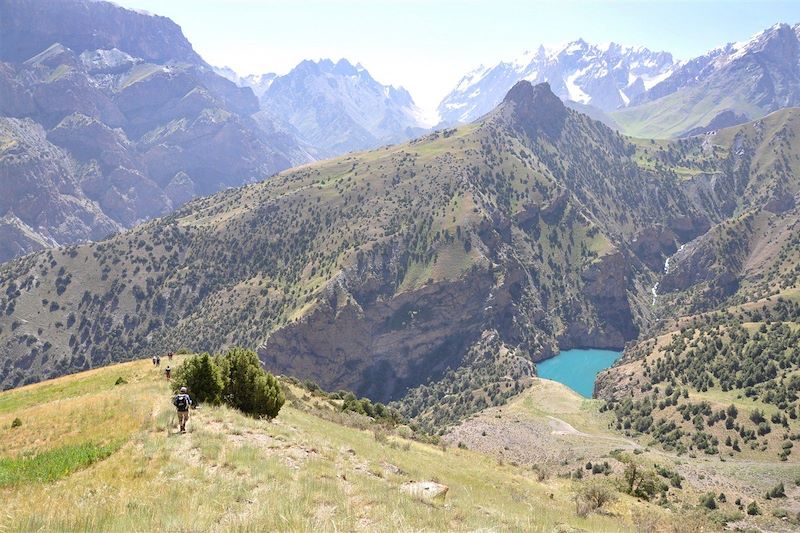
131,123
603,77
335,107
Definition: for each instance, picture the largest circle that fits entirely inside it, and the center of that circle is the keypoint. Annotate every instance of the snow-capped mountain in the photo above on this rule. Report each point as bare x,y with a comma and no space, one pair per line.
730,84
776,50
605,77
259,83
339,107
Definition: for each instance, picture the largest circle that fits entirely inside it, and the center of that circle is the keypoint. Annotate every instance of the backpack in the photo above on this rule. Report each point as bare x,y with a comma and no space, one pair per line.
182,402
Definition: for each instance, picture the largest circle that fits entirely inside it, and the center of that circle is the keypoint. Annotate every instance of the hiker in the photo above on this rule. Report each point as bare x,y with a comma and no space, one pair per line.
168,371
158,361
154,360
170,356
182,402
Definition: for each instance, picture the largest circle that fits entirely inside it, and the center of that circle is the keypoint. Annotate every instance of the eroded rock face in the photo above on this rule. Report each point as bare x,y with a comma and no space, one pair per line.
536,108
42,203
380,347
142,122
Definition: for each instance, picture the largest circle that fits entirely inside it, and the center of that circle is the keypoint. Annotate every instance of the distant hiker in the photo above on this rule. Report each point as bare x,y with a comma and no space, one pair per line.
158,361
170,356
182,403
154,360
168,371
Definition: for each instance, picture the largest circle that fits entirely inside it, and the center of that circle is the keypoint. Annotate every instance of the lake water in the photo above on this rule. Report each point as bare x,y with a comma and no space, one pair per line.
577,369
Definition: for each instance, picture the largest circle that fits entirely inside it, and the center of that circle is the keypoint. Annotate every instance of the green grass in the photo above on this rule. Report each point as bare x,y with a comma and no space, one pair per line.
53,464
86,382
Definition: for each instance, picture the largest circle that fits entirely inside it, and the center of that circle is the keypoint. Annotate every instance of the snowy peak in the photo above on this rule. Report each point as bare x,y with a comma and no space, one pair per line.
339,107
773,53
606,77
259,83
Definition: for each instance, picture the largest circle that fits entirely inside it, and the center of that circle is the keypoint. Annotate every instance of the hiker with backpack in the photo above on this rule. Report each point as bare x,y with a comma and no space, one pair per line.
168,372
182,402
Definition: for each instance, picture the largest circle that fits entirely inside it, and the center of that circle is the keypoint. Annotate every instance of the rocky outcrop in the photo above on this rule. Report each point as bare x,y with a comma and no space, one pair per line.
380,347
43,202
536,109
141,122
425,490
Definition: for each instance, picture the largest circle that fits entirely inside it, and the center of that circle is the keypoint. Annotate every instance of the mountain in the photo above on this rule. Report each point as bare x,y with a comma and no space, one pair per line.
462,256
259,83
730,84
378,271
109,117
603,77
337,107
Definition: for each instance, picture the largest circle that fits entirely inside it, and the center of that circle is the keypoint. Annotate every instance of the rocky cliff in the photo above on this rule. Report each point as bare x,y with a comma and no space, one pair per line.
141,123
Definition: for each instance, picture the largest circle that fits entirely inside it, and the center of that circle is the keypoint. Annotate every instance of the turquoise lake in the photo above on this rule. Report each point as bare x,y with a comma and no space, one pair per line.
577,369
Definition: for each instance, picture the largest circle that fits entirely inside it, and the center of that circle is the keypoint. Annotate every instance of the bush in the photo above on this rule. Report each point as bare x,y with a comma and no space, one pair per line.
753,509
121,381
235,378
592,497
203,377
16,423
708,501
248,387
778,491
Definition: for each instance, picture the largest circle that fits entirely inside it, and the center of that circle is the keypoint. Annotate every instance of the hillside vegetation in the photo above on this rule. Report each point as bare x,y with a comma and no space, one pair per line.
352,272
314,467
433,273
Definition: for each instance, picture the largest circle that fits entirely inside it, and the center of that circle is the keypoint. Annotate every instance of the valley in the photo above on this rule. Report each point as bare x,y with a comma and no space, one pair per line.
572,305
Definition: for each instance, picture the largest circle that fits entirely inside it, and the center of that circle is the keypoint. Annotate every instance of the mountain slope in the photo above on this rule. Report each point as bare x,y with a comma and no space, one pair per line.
347,470
338,107
727,309
747,80
601,77
353,272
139,120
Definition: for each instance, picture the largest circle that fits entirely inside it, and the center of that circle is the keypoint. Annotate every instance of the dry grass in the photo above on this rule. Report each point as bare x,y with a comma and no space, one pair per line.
233,473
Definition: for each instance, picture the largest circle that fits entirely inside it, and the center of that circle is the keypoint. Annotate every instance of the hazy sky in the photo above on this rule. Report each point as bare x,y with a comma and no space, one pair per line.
427,45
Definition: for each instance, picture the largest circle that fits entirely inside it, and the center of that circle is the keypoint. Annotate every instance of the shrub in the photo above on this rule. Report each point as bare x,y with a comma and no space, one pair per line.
248,387
203,377
592,497
780,513
16,423
708,501
753,509
121,381
778,491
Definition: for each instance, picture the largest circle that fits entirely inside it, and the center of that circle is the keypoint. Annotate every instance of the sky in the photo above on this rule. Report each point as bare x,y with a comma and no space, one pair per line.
428,45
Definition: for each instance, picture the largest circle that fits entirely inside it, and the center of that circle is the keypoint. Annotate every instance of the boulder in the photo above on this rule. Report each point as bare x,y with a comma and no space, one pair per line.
425,490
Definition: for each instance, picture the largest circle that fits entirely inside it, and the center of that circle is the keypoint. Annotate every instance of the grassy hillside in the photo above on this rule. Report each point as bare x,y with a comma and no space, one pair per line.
560,434
677,113
312,468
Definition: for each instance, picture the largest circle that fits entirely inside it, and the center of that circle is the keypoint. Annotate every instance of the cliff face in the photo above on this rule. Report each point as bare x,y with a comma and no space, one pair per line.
30,26
141,121
43,203
381,347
